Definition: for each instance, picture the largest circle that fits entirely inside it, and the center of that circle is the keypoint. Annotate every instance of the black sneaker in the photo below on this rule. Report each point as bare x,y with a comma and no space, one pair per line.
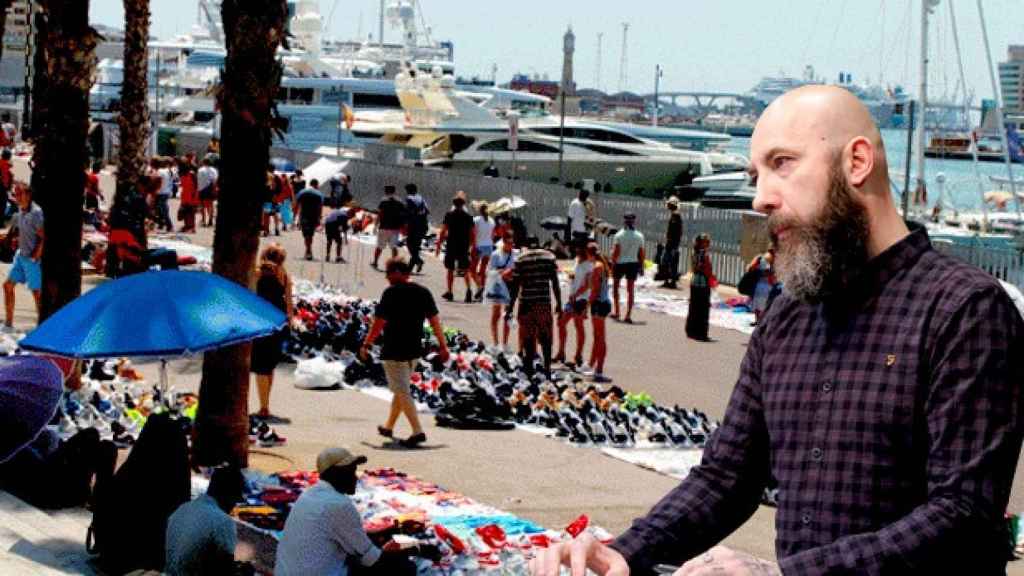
414,440
448,296
479,296
469,296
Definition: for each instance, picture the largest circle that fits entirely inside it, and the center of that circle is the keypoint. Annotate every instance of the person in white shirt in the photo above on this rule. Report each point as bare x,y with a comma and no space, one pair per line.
480,256
206,182
324,533
163,195
578,233
627,261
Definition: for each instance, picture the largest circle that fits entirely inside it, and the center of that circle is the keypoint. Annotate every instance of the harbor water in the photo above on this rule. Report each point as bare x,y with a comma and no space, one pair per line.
962,191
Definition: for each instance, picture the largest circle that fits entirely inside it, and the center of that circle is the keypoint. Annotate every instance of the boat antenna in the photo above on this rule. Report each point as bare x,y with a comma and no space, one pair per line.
920,192
999,109
967,115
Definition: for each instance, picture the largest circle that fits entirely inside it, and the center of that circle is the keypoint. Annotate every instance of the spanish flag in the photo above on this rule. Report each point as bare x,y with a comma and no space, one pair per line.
348,116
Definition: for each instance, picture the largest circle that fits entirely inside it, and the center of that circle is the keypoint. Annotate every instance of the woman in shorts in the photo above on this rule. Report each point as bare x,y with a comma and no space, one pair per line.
497,293
483,226
600,307
274,285
575,308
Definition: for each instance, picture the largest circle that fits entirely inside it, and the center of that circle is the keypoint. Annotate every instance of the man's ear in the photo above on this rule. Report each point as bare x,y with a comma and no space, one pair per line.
860,161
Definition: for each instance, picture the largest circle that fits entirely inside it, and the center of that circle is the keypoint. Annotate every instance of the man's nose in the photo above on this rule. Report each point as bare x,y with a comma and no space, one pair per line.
767,198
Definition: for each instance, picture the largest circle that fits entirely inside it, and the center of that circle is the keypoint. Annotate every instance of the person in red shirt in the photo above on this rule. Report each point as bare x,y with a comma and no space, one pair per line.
189,197
93,195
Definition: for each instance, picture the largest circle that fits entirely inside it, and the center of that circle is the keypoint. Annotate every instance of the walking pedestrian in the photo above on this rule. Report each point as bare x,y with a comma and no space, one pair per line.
93,195
206,181
496,293
417,214
600,304
669,265
274,285
163,194
270,208
309,206
700,289
6,183
483,247
575,309
283,201
390,218
403,308
765,266
534,279
28,224
457,230
627,262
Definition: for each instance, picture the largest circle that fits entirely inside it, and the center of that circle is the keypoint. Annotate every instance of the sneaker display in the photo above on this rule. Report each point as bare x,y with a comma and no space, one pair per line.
269,438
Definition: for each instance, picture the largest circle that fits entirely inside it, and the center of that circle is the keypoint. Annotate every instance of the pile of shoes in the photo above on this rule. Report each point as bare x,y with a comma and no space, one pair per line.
115,401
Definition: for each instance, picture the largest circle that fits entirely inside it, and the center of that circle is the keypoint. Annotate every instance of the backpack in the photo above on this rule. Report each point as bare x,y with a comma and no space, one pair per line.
130,510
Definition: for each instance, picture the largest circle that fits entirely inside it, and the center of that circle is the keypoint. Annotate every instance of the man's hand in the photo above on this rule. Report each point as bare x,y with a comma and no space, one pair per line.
721,560
579,554
364,352
391,546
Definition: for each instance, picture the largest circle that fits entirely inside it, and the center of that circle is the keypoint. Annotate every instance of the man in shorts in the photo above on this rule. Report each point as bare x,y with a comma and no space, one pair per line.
310,207
390,217
628,262
458,230
534,278
403,308
26,269
336,230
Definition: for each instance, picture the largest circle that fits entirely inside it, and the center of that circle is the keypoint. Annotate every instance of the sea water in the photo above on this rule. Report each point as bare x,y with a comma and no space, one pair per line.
962,190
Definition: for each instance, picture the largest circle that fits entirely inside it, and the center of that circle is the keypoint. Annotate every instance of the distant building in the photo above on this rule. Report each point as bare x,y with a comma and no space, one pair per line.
524,83
1011,80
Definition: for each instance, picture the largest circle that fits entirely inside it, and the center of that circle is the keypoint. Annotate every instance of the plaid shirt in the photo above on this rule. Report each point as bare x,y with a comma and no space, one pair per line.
891,418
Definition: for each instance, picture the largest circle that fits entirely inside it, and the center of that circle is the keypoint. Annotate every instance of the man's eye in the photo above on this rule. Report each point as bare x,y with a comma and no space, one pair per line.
780,161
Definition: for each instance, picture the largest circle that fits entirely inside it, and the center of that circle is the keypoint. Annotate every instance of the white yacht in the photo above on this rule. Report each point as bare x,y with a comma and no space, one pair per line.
447,128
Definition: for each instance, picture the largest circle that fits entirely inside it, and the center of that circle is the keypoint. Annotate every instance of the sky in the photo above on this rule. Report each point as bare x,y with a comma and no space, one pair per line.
721,45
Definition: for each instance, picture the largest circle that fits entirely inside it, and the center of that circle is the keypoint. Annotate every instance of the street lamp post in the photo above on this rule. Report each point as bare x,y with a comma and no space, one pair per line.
657,81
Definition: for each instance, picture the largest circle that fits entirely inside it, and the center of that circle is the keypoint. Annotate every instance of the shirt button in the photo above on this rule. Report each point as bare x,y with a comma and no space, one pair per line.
827,386
806,518
816,454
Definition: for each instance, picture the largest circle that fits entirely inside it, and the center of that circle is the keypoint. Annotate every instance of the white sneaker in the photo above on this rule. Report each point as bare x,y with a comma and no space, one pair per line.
585,370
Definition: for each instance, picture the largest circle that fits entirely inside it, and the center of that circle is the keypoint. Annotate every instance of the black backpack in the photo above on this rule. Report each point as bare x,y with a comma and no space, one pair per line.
130,510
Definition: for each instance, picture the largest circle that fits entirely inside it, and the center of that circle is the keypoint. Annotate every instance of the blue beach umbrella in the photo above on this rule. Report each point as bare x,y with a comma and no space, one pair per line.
30,389
161,314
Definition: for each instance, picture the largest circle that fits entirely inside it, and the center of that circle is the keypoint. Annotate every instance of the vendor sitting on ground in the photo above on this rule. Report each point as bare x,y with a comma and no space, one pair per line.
324,533
201,537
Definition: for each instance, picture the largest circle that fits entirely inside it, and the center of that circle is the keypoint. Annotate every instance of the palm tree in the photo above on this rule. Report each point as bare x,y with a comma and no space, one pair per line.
134,108
253,30
67,46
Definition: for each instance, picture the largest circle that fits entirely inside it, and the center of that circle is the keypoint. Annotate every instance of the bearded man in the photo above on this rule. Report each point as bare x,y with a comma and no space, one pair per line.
882,390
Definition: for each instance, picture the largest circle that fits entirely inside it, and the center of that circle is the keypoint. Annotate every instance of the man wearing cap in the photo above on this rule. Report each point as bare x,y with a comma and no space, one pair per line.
673,238
628,262
391,216
324,533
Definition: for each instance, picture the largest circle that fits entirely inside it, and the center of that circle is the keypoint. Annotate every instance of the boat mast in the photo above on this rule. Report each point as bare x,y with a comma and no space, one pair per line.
926,6
1000,122
967,115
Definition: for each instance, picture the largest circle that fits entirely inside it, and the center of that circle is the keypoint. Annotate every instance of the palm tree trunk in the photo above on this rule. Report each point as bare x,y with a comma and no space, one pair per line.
134,114
254,29
58,177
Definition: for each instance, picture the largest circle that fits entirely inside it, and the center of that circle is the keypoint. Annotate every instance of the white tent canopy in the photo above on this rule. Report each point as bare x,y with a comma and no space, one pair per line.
323,169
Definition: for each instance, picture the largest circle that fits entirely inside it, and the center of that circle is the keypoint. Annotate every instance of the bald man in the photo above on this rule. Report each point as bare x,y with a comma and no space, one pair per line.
882,390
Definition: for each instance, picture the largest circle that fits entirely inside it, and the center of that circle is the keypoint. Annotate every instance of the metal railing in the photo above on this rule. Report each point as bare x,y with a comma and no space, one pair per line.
1006,264
544,200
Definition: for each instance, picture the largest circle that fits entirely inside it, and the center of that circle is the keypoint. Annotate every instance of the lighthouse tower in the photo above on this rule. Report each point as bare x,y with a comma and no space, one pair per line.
568,48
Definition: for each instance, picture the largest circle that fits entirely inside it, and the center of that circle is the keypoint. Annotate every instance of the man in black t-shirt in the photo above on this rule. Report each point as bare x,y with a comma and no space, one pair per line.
390,218
309,206
403,308
669,265
459,231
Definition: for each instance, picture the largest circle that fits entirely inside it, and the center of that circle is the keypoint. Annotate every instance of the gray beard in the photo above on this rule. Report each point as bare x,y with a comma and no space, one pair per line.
819,258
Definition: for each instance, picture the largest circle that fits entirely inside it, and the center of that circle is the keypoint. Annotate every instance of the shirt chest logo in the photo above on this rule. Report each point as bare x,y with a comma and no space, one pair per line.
890,360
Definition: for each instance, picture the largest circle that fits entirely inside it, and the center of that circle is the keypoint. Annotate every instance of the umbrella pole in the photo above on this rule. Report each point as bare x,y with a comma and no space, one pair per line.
163,377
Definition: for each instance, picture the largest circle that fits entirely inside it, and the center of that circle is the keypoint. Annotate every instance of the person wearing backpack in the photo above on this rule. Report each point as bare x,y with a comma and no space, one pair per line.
418,213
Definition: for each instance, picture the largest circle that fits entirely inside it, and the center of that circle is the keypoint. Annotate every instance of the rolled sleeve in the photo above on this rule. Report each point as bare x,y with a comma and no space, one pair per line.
347,528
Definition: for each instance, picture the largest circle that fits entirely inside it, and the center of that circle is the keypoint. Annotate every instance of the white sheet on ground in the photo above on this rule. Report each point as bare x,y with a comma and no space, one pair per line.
674,462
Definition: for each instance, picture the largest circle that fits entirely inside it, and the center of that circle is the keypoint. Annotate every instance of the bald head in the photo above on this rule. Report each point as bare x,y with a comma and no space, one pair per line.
819,115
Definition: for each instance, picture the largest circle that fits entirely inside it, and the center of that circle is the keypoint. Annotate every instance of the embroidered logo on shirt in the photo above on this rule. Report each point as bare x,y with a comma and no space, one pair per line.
890,360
